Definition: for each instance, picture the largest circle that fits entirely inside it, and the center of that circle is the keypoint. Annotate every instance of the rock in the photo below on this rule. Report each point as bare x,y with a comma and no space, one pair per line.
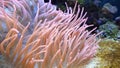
117,21
110,8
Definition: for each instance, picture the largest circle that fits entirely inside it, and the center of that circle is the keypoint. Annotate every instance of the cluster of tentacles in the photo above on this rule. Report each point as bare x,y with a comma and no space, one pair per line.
34,34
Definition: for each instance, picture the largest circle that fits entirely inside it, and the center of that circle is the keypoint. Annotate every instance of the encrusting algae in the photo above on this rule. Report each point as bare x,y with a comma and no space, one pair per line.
109,54
39,36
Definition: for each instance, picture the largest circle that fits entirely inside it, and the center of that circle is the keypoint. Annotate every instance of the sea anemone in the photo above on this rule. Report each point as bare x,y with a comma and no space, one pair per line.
37,35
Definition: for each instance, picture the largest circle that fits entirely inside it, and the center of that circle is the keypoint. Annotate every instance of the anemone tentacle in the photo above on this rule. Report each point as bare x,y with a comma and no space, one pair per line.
40,36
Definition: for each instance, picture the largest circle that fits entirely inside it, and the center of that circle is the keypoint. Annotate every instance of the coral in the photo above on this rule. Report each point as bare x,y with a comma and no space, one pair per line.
109,54
39,36
110,30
